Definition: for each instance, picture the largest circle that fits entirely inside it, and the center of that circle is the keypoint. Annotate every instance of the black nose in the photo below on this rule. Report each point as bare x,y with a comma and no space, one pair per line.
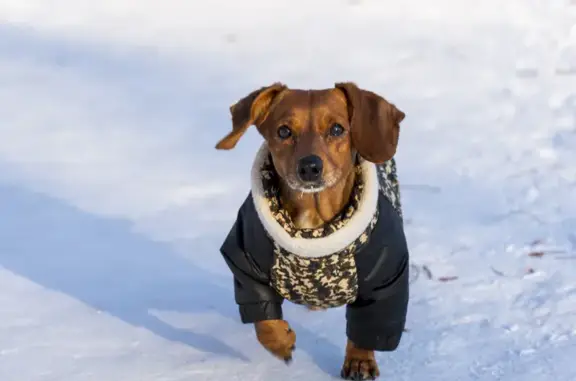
310,168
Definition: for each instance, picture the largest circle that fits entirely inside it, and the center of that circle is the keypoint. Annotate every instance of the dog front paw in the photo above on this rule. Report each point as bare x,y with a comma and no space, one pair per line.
277,337
359,364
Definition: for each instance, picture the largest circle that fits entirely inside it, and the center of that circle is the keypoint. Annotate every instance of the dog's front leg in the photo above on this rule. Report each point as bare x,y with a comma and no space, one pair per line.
277,337
359,364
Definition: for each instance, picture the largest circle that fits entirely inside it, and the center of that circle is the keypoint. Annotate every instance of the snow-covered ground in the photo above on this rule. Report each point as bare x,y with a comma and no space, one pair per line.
113,202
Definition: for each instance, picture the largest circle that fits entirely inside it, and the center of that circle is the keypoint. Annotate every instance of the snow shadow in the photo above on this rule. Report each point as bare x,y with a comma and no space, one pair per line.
101,262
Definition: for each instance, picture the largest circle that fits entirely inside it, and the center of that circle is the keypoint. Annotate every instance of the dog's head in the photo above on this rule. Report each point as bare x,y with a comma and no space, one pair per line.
314,135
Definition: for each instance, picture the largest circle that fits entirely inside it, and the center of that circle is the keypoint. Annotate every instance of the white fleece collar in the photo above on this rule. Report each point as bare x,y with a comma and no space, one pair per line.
316,247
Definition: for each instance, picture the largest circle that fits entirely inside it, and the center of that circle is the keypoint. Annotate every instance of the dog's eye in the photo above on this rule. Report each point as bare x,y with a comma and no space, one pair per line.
284,132
336,130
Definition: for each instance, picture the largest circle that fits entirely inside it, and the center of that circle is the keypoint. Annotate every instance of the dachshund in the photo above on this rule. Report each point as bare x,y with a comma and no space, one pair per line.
322,225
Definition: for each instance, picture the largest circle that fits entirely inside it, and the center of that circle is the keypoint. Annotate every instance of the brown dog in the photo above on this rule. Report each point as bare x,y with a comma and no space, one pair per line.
316,142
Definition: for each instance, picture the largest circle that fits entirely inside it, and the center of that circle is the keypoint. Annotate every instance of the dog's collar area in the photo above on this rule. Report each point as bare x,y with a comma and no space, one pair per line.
343,231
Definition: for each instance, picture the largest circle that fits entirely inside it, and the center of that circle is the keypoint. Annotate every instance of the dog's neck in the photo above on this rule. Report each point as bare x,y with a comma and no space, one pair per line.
312,210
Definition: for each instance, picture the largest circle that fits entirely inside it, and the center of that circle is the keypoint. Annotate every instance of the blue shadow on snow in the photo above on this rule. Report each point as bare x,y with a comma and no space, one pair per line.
103,263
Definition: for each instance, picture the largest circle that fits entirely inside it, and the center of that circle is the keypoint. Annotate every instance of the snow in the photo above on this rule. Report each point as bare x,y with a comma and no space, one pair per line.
114,202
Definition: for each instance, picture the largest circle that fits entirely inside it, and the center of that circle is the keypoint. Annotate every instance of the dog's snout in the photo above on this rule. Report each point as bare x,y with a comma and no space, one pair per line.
310,168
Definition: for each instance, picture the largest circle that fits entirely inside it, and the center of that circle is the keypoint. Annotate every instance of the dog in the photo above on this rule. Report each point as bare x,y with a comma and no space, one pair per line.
322,225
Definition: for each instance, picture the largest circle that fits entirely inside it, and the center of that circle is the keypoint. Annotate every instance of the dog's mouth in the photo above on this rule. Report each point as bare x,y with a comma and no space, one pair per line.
297,185
320,185
312,188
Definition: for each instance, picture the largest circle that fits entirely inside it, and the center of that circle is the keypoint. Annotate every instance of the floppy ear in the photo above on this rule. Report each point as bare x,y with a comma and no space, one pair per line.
375,123
252,109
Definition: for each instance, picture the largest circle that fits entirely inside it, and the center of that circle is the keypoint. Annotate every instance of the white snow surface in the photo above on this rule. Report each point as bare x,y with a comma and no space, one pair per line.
113,201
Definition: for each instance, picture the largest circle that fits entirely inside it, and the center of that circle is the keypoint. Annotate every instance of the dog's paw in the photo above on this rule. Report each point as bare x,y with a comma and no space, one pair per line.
355,369
277,337
359,364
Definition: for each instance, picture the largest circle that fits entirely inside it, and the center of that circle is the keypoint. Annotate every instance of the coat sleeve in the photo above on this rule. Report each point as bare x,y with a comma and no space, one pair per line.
377,318
249,262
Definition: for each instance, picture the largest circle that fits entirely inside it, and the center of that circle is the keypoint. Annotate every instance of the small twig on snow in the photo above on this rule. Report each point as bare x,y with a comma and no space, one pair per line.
536,242
497,272
447,278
